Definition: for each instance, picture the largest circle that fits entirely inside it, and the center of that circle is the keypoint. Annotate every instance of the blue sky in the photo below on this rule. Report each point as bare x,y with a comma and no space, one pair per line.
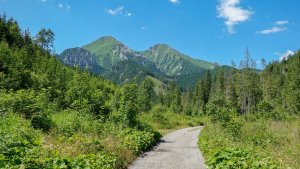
212,30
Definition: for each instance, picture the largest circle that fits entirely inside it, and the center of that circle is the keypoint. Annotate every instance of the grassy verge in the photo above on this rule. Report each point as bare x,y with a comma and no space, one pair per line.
75,141
163,120
251,143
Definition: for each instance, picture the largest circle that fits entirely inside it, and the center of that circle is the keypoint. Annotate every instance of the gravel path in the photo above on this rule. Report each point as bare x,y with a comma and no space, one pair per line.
177,150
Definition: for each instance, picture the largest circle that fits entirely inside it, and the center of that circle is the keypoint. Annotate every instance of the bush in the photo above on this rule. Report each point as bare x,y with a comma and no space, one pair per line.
42,121
138,141
234,126
101,160
264,107
240,158
69,122
19,143
26,102
159,109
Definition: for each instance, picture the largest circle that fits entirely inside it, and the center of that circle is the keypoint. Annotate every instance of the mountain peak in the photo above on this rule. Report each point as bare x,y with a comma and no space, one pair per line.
106,39
162,46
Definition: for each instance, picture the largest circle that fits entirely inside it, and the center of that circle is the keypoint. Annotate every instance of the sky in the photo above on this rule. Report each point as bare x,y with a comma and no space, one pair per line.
212,30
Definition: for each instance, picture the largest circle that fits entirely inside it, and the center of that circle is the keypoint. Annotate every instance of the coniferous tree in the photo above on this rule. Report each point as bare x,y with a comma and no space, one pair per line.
146,95
45,39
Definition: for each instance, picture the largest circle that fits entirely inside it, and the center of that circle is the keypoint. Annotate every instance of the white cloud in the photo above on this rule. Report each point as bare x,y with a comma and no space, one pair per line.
277,28
282,22
60,5
286,55
64,6
272,30
174,1
232,13
118,11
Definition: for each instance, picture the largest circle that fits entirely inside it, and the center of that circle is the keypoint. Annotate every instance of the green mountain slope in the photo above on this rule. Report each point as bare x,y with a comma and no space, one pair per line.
173,62
109,51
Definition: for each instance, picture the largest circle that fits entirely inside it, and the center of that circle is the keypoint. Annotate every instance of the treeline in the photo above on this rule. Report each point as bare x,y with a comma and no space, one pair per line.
28,64
272,92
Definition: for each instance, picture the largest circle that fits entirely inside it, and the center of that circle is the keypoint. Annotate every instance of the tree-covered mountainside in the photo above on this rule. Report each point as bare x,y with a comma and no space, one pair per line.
160,61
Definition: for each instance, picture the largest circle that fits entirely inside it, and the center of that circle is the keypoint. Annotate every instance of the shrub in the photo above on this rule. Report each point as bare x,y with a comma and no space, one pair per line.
240,158
26,102
264,107
42,121
19,143
159,109
69,122
138,141
100,160
234,126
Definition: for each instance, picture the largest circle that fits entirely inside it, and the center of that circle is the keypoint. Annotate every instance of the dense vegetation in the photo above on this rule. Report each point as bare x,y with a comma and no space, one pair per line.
55,116
254,115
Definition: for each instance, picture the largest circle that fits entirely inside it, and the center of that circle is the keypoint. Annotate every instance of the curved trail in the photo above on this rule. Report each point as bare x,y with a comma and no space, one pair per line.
177,150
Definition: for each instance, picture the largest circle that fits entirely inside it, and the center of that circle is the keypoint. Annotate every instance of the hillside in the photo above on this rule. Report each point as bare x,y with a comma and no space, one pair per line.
173,62
82,58
161,62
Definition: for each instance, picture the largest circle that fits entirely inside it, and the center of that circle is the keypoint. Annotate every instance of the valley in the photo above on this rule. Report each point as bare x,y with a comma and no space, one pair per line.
104,105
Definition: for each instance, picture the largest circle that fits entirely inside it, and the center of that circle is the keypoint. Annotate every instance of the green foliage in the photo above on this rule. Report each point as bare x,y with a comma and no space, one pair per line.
45,39
264,107
238,144
145,95
100,160
138,141
20,144
42,121
26,102
69,122
240,158
128,105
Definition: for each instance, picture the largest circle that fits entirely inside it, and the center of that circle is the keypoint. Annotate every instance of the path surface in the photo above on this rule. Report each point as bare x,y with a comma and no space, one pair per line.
177,150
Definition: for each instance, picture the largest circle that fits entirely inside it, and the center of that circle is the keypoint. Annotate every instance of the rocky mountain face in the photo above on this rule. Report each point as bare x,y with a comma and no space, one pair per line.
117,62
82,58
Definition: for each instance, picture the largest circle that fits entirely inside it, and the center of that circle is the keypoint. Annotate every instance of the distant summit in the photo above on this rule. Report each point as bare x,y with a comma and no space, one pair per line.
114,60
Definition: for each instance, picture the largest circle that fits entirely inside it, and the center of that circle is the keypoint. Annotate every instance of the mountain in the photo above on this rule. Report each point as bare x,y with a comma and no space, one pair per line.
117,62
82,58
110,52
172,62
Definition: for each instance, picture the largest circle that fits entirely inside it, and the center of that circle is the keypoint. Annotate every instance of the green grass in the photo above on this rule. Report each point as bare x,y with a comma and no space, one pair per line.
165,121
260,143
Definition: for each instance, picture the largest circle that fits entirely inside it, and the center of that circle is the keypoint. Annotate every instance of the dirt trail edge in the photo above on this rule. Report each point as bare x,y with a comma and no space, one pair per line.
177,150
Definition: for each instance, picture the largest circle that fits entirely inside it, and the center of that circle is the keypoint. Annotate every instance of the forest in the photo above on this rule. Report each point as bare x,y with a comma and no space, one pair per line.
58,116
